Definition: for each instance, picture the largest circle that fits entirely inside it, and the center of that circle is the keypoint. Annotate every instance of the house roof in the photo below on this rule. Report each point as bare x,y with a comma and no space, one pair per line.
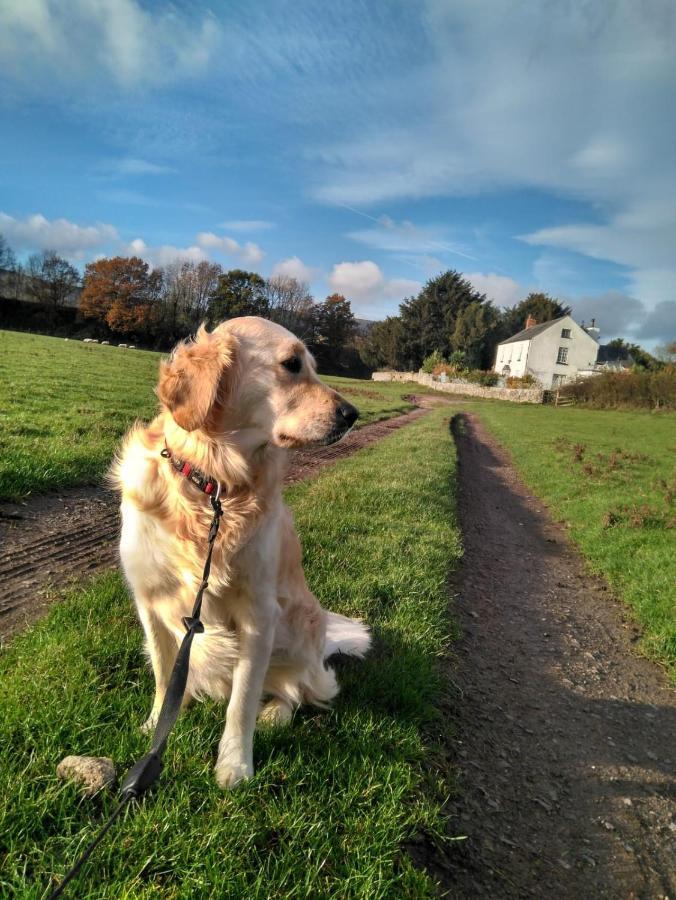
529,333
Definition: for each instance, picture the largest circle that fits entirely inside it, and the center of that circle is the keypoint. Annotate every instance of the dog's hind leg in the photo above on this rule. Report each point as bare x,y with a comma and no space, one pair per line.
161,648
275,713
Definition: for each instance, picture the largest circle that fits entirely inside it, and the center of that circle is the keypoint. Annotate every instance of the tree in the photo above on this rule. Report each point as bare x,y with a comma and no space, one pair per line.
336,327
429,320
239,293
539,306
7,257
50,278
382,346
666,353
476,334
642,359
122,292
289,303
12,272
188,288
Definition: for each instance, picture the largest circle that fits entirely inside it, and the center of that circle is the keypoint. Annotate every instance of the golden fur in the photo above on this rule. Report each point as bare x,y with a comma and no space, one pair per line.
231,406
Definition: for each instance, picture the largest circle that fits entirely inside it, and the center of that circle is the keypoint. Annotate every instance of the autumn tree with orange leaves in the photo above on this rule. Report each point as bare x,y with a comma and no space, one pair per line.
122,292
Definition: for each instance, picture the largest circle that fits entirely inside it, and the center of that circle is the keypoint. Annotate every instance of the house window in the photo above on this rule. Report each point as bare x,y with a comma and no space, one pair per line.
562,358
565,332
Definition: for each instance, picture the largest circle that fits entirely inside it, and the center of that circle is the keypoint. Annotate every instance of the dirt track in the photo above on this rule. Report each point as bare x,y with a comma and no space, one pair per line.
564,738
53,539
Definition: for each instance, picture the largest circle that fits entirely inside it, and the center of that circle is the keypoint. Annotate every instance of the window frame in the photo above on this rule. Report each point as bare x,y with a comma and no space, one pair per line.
563,351
565,334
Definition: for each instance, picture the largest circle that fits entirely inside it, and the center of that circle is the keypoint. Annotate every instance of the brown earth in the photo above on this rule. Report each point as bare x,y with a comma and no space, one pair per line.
52,540
564,738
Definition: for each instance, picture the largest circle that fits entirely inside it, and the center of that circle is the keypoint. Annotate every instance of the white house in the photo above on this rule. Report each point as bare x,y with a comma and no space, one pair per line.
553,353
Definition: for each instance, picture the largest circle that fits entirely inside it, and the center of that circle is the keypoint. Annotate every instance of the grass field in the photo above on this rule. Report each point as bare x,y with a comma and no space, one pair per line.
64,406
335,795
611,477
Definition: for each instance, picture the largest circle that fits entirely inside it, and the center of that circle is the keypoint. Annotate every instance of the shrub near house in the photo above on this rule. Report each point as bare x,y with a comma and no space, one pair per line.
627,390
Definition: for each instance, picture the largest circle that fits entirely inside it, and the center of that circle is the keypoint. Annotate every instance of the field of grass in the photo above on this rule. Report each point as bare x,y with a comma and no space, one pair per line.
611,477
65,405
336,794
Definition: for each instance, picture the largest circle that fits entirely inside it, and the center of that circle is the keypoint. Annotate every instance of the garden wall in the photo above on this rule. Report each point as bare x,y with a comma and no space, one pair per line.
514,395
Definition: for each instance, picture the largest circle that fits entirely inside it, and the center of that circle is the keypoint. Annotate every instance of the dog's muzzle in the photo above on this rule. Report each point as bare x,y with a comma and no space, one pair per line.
346,416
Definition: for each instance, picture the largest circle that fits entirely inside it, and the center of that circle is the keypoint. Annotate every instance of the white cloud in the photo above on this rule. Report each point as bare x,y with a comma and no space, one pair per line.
357,279
163,254
43,42
503,291
36,232
294,268
248,253
371,294
246,225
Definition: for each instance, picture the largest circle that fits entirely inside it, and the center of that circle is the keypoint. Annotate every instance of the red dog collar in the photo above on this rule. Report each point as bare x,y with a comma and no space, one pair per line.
205,483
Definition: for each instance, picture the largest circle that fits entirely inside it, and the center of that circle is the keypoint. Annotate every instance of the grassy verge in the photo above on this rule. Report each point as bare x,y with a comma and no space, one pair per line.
610,476
335,794
65,405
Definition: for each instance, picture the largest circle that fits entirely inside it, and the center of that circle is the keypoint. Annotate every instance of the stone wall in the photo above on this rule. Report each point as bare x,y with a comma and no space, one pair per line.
464,388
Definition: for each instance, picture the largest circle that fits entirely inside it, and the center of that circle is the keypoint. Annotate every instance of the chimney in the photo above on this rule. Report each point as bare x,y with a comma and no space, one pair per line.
531,322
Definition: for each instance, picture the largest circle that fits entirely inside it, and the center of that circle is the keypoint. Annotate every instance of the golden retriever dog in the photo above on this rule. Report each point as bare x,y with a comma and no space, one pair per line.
234,401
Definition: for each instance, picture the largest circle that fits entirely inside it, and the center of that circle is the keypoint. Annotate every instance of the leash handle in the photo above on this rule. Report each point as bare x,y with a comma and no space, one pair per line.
90,849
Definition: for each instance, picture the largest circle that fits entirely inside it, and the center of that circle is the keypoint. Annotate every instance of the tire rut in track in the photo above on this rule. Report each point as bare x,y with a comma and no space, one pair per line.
564,738
52,540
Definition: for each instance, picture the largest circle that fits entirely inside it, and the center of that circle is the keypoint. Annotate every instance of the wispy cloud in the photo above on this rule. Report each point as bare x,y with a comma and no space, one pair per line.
120,41
511,108
127,197
403,237
131,166
246,226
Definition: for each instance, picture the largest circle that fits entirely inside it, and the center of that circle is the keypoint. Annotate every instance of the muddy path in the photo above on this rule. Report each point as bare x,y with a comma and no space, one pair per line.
53,540
563,737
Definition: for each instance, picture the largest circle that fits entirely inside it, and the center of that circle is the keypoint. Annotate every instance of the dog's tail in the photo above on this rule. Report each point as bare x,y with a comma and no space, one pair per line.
343,635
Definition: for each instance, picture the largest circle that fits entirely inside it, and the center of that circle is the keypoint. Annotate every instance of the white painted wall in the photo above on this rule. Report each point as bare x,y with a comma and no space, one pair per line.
538,356
512,355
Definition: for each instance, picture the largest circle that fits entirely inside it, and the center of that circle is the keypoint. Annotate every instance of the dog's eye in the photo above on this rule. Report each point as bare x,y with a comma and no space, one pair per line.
294,364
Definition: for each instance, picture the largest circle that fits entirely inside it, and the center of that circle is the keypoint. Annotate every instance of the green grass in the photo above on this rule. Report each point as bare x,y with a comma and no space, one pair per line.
336,794
610,476
66,404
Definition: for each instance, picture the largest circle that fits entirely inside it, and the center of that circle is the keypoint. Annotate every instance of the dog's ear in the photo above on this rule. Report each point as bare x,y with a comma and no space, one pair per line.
196,377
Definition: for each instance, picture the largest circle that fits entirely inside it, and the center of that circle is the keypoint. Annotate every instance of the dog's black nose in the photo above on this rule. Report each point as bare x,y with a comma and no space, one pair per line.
348,412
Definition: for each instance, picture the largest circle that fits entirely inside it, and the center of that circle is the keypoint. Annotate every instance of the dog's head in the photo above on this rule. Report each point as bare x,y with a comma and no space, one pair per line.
250,373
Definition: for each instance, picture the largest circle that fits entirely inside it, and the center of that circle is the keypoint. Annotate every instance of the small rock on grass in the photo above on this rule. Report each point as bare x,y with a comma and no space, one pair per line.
92,773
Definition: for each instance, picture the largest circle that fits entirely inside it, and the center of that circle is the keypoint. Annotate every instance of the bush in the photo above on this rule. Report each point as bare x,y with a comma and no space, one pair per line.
458,360
639,389
485,379
431,362
525,381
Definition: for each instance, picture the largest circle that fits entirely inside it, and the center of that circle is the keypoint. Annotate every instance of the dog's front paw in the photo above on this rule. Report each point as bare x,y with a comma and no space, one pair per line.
230,772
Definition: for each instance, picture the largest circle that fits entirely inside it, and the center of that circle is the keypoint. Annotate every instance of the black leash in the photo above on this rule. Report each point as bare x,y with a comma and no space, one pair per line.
146,771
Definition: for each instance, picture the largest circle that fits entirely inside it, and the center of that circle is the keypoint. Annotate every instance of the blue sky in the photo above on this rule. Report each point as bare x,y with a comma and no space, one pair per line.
363,147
